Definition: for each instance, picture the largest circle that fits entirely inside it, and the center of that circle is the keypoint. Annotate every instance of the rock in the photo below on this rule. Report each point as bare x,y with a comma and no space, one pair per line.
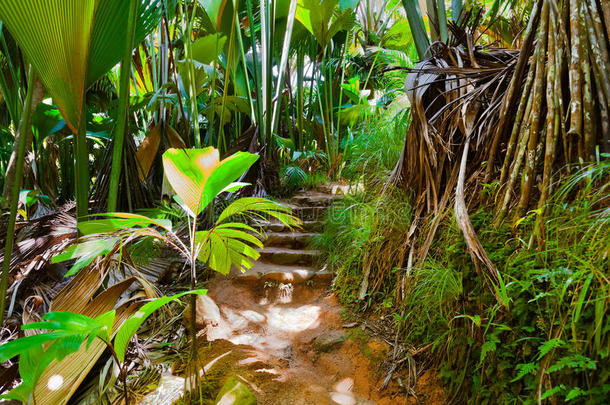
208,313
328,341
170,390
235,392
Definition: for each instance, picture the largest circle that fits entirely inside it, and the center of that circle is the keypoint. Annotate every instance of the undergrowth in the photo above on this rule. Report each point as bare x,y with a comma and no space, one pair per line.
375,148
365,228
549,344
368,227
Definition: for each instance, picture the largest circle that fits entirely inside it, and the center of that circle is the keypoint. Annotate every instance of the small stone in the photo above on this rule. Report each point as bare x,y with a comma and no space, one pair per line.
208,313
328,341
234,392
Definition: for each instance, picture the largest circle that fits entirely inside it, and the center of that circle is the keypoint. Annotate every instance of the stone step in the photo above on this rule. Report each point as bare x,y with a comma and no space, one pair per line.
295,240
338,189
262,271
282,256
313,199
274,226
307,212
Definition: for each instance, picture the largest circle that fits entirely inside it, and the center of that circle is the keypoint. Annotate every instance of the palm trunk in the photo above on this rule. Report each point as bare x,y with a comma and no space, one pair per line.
122,120
11,169
24,127
539,86
81,166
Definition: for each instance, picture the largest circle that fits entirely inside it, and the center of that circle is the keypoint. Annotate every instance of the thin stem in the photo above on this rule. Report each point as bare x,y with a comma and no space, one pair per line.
81,165
122,368
123,112
10,229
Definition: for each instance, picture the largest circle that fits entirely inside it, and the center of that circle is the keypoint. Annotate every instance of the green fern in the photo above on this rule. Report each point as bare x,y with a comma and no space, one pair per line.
549,345
525,369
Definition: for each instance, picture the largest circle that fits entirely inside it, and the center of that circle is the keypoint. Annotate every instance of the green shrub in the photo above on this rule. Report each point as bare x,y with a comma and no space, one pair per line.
553,338
376,147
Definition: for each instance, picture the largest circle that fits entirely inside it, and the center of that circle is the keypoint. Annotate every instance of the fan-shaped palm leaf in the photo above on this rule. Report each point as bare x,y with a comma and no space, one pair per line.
71,44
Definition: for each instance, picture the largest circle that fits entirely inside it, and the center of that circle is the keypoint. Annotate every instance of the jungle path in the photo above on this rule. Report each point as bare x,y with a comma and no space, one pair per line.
279,330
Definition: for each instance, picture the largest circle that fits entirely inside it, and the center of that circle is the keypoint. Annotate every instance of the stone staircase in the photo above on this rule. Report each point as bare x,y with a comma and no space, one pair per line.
287,257
278,330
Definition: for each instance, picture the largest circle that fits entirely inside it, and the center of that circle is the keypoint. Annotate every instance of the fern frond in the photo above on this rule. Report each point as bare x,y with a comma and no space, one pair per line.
254,207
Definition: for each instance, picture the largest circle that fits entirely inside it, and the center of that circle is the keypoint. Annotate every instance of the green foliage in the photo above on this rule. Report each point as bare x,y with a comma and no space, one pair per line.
375,148
362,227
68,331
84,32
131,325
554,333
325,19
293,177
198,176
229,244
85,252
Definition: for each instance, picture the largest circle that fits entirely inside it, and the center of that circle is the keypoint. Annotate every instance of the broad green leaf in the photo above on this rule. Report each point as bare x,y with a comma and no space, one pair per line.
120,221
131,325
68,332
20,392
31,364
64,320
15,347
74,368
418,29
232,230
343,21
315,16
203,73
207,49
86,252
72,43
198,176
228,245
220,13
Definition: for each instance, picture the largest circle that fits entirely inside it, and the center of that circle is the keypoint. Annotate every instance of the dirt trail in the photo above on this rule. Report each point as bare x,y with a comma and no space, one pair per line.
279,329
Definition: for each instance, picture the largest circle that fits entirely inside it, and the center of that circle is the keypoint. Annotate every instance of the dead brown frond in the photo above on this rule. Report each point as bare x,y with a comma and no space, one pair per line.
506,118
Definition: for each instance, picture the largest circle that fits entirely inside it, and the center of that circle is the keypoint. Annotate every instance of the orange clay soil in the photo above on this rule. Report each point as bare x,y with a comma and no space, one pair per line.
266,336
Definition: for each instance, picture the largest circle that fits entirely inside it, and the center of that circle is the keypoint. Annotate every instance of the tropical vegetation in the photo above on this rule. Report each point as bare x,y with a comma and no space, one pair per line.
142,141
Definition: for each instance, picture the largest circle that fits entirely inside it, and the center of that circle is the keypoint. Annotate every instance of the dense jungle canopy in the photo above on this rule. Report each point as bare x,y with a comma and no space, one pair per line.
305,201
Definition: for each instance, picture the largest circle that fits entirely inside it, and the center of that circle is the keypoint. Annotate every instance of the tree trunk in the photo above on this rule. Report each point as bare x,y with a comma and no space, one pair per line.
37,97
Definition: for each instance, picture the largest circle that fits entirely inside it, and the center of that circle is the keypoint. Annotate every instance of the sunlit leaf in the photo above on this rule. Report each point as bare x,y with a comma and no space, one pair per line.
120,221
259,207
86,252
131,325
227,245
198,176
